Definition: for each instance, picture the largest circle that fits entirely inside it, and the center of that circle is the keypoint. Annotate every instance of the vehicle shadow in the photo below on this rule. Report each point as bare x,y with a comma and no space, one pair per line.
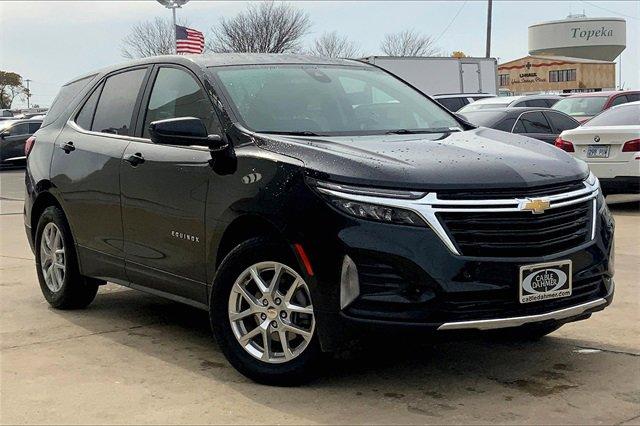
436,380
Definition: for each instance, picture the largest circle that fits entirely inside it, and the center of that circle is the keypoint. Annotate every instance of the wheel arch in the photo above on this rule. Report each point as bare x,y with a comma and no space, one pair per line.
43,200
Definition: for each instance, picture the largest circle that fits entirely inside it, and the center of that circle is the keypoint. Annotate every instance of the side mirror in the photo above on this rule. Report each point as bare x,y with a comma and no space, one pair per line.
184,131
5,134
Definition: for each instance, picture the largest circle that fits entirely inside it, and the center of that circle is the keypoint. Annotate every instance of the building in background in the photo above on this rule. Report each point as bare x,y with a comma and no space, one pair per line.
565,56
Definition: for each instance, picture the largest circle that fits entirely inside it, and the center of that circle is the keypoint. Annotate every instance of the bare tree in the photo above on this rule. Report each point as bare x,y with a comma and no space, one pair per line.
408,43
149,38
10,88
333,45
264,27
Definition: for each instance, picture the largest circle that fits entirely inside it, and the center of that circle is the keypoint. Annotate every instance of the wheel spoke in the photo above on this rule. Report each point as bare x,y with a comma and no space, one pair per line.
250,335
300,309
266,343
258,280
236,316
285,344
297,330
292,290
247,296
276,278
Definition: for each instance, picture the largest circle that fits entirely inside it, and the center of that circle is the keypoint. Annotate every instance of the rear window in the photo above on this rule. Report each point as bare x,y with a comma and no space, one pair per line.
66,95
626,115
581,105
452,104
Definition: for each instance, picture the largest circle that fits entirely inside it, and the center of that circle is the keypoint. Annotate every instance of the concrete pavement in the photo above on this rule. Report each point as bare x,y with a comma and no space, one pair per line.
134,358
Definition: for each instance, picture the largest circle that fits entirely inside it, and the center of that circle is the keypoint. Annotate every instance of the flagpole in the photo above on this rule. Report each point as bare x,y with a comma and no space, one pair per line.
173,5
175,32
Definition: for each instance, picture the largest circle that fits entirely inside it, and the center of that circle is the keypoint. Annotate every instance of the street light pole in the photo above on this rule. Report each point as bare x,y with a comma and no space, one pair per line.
173,5
28,93
487,53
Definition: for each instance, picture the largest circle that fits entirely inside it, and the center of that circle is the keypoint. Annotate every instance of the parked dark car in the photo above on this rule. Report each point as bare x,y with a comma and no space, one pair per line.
13,136
584,106
543,124
455,101
302,201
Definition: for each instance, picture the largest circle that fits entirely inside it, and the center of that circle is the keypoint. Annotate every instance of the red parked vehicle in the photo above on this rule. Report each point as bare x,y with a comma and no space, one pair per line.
584,106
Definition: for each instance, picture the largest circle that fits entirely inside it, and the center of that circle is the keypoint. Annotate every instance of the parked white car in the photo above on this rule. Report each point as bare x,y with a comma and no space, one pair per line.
610,143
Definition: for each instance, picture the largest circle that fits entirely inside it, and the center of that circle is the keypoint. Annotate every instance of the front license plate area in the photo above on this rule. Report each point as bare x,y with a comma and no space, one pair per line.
544,281
598,151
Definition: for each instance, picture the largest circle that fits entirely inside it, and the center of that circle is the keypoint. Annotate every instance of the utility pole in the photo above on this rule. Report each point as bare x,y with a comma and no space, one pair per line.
487,53
173,5
28,93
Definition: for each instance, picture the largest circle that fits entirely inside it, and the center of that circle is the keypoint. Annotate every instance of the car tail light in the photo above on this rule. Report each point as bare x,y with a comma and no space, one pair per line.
564,145
28,145
631,146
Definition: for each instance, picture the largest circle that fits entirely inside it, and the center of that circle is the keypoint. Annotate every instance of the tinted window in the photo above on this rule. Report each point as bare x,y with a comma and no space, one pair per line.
506,125
618,100
84,118
33,127
177,94
633,97
532,122
452,104
550,102
20,129
538,103
114,113
325,99
626,115
64,98
561,122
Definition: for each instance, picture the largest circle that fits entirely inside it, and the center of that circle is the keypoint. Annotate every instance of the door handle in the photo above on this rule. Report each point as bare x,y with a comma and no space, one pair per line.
68,147
135,159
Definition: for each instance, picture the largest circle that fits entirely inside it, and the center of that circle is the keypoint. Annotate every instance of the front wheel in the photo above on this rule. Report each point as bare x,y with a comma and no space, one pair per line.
263,317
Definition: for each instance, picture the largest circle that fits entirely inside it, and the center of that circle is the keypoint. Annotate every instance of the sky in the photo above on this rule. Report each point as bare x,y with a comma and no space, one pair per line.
51,42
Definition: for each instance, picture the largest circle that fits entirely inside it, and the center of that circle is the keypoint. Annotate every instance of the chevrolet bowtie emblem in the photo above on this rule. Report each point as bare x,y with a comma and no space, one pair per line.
535,206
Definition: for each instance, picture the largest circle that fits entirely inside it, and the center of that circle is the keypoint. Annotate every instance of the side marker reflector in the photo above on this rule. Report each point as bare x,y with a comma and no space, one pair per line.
304,258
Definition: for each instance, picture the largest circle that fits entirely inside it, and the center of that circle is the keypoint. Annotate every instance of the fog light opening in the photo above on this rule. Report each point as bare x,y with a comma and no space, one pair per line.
349,284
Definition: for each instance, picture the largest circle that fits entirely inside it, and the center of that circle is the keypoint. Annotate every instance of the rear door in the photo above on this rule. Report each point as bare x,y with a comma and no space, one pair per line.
470,77
535,125
85,170
164,195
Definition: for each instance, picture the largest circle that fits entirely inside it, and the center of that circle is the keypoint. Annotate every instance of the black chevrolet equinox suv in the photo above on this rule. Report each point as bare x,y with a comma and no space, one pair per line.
302,201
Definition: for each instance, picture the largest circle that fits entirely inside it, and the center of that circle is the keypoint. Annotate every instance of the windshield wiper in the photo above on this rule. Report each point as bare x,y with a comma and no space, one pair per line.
294,133
414,131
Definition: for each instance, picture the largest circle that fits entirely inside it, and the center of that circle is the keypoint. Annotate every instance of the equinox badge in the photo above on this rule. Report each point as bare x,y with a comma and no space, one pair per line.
535,206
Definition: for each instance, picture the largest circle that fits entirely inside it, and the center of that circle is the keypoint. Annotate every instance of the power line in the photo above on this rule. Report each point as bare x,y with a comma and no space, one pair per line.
609,10
451,22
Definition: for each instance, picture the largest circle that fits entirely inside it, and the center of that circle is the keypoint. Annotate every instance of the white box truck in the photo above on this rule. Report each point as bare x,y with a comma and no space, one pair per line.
442,75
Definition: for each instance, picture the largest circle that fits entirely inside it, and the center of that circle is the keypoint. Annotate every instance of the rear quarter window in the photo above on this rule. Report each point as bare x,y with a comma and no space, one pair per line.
64,98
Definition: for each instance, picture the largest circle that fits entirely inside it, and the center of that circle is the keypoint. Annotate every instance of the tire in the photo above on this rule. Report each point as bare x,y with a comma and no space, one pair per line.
525,333
272,366
62,285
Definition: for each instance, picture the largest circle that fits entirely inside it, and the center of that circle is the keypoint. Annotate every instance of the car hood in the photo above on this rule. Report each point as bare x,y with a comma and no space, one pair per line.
479,158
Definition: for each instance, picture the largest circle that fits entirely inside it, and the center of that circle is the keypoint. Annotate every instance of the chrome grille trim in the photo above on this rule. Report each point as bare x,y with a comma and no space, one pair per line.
429,205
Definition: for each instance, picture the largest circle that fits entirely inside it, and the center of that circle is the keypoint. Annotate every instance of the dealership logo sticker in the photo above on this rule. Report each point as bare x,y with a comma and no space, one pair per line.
545,281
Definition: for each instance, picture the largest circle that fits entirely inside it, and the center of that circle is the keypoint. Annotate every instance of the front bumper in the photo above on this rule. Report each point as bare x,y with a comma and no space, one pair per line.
411,280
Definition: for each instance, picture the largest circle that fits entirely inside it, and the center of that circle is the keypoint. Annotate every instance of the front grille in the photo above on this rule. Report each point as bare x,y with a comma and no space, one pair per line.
504,303
520,233
494,194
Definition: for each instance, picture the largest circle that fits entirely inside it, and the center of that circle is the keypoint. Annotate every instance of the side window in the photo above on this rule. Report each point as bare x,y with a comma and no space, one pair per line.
633,97
84,118
33,127
177,94
20,129
538,103
622,99
114,113
452,104
550,102
532,122
561,122
506,124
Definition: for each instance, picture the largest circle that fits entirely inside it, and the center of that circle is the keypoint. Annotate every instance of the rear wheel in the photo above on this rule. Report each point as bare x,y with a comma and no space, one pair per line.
57,266
262,315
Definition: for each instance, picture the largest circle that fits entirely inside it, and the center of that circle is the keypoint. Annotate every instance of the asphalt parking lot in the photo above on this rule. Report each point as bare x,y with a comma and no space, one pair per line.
135,358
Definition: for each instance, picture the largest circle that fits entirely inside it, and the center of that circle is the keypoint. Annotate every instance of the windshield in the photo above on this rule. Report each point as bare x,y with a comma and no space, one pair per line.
581,106
494,103
329,100
625,115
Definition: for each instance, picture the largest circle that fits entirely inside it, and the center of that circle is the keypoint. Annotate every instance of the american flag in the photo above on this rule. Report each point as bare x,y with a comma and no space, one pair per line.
188,40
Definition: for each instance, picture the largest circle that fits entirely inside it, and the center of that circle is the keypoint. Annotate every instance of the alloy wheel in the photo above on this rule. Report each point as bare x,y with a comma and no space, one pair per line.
271,313
52,257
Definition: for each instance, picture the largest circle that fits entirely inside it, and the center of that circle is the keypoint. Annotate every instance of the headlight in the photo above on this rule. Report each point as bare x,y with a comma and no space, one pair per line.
375,212
592,180
364,210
